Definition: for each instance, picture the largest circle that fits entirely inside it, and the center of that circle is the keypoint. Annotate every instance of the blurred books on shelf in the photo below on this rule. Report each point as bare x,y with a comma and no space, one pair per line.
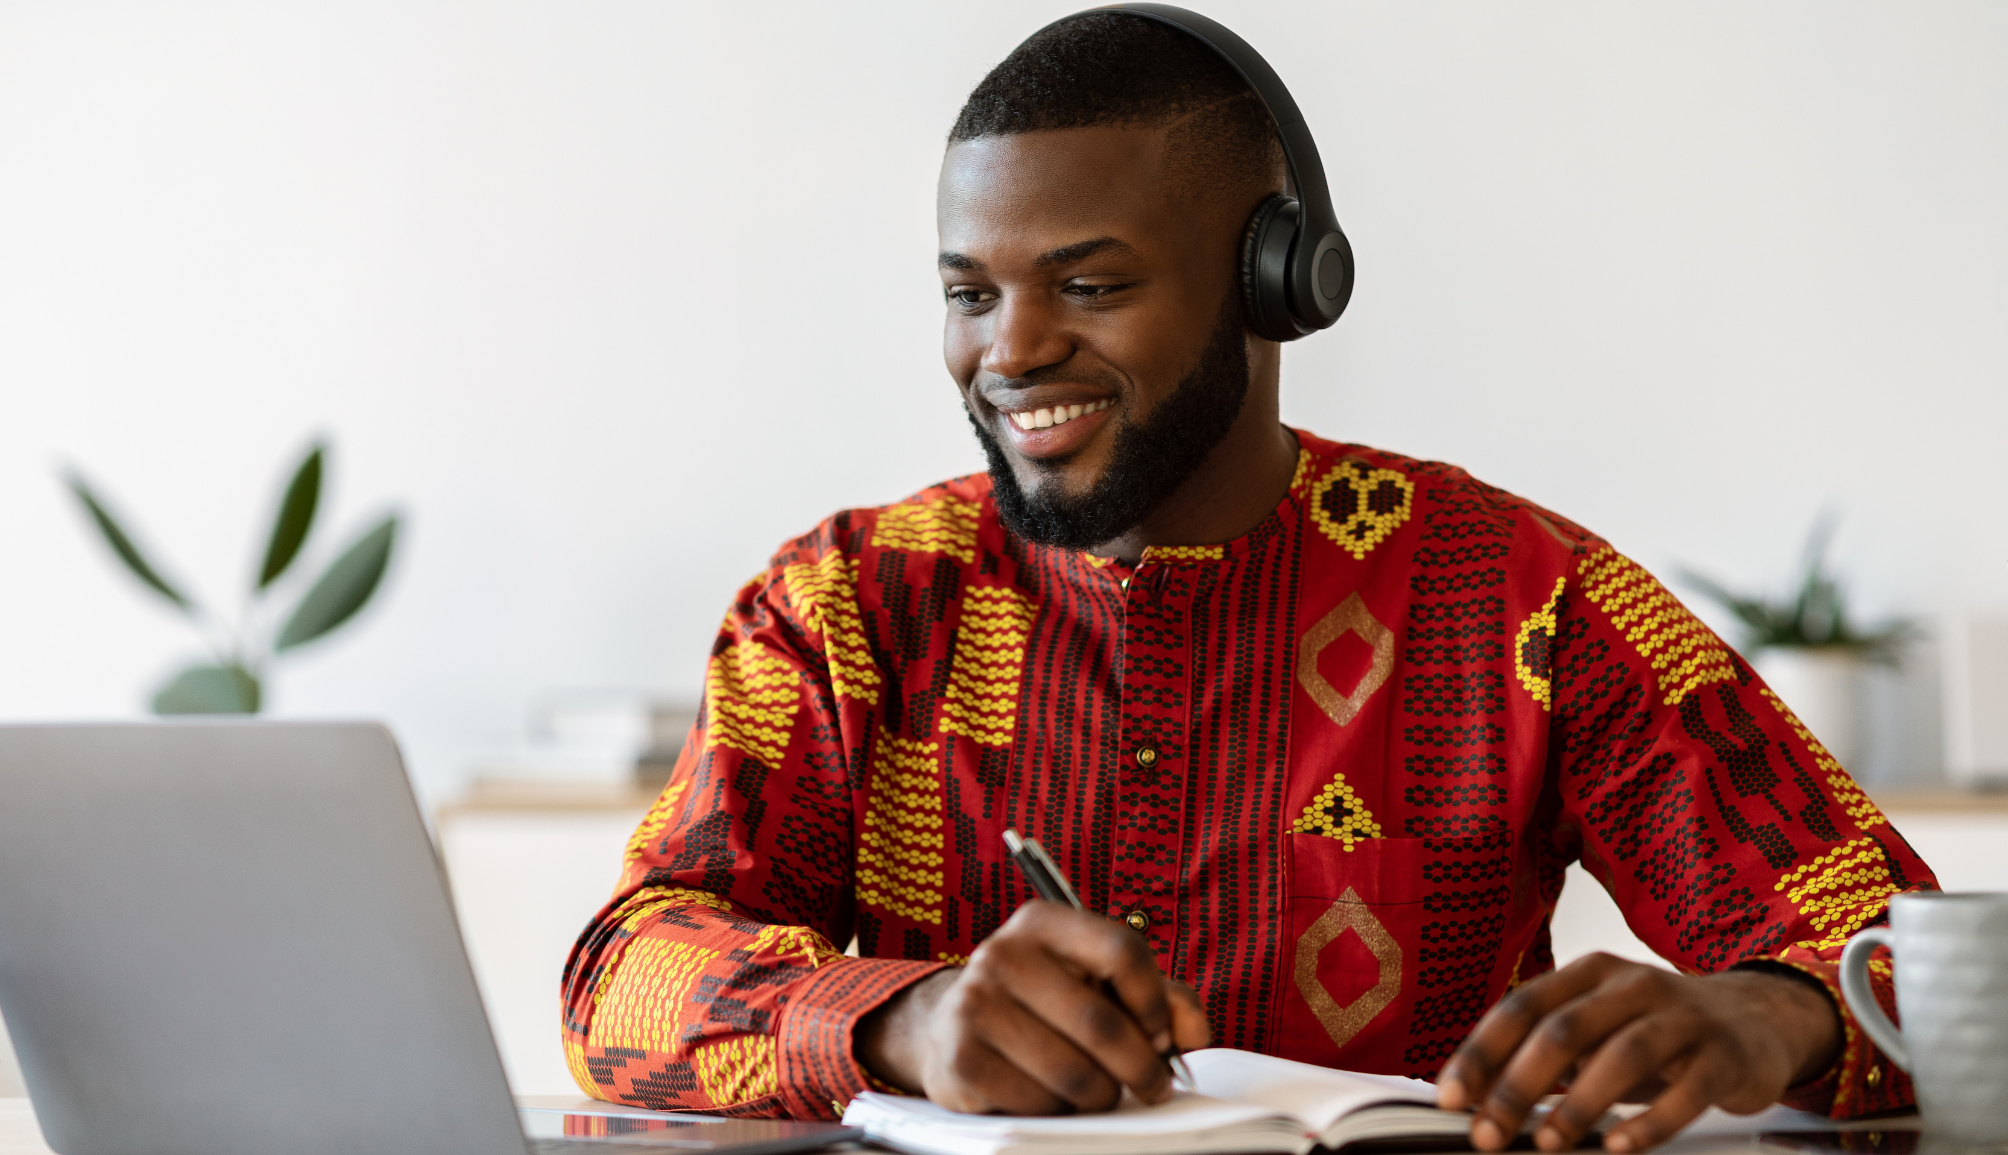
591,736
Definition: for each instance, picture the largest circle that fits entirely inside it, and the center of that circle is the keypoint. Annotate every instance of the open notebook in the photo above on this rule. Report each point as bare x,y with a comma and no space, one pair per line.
1247,1102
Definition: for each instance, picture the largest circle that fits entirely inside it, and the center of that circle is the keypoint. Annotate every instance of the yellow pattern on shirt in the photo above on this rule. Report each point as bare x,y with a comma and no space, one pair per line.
825,594
657,819
945,525
641,999
982,698
1338,813
1842,890
737,1069
899,854
1358,506
1684,654
1846,793
1542,623
751,694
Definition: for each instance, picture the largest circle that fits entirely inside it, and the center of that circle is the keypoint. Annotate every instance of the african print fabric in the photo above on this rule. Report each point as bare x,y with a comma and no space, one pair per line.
1333,771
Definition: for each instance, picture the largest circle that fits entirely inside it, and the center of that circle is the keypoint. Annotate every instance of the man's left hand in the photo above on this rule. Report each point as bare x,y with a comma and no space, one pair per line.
1621,1031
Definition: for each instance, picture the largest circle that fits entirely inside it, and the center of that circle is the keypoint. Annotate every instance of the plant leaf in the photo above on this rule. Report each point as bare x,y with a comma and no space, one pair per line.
122,545
1751,613
228,689
295,520
343,589
1815,615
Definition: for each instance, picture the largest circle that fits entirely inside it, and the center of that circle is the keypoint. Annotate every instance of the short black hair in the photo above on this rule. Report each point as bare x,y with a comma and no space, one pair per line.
1113,69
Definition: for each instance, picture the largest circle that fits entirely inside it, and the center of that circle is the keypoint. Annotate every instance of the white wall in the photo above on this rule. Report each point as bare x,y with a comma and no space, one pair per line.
612,298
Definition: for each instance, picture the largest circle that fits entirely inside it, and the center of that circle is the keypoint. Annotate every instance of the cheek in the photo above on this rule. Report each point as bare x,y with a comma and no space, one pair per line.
962,347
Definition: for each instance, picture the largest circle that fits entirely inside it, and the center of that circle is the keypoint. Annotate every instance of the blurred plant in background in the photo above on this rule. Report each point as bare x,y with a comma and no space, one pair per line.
1809,651
234,682
1814,617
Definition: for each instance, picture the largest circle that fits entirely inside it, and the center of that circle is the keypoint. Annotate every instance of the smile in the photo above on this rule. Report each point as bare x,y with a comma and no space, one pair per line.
1057,415
1056,430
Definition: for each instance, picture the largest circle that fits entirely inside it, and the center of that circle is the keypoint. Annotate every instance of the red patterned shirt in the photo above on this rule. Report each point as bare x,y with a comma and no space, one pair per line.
1332,770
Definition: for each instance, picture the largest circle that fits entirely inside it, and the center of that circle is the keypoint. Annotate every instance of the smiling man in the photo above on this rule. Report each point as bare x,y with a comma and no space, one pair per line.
1314,728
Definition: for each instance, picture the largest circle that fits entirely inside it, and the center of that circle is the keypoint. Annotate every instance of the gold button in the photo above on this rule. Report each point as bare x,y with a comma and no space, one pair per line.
1138,921
1874,1078
1146,756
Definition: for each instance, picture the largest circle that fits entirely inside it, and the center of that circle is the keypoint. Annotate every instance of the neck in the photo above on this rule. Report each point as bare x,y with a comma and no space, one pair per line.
1237,485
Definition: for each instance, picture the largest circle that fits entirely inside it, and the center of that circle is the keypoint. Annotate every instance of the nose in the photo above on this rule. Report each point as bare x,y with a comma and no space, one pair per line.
1025,335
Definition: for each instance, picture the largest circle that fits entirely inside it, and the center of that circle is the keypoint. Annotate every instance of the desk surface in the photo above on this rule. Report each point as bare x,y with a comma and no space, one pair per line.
1714,1134
18,1133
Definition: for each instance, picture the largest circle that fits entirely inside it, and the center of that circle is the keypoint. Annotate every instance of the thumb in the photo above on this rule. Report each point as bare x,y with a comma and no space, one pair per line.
1189,1028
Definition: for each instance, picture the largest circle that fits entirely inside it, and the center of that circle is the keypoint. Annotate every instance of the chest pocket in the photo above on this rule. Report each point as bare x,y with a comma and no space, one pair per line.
1354,917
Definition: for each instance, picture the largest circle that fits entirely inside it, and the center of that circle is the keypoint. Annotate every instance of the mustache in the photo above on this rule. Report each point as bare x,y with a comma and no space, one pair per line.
993,387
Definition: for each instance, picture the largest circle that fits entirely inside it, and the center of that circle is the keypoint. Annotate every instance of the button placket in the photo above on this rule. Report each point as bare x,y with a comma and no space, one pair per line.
1151,763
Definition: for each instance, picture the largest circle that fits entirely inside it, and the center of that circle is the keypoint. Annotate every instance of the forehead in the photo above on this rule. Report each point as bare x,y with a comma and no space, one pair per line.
1035,191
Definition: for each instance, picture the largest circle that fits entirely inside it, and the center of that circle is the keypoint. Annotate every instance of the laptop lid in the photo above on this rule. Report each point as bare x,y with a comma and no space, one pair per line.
228,938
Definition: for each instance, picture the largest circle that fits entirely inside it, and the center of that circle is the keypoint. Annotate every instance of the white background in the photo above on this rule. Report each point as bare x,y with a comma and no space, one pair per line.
610,299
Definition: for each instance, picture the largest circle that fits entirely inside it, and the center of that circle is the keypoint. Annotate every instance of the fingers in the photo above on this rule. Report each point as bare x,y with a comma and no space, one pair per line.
1634,1055
1080,1013
1058,1010
1565,1035
979,1081
1106,951
1676,1107
1729,1039
1471,1072
1026,1038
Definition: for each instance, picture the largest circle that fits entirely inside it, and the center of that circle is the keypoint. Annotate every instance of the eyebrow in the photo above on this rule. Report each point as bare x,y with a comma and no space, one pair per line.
1082,250
1064,255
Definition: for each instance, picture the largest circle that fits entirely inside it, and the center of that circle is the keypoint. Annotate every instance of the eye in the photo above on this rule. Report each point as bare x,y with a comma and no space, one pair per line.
965,298
1089,291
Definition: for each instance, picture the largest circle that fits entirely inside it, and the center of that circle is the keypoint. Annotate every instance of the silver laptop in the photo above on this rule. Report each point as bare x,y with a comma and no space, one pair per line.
234,938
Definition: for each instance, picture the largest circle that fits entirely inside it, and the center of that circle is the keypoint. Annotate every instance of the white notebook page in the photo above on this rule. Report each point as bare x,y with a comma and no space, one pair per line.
1185,1113
1317,1095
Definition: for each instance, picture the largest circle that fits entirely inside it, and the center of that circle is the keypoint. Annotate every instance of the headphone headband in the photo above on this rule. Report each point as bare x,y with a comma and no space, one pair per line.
1313,280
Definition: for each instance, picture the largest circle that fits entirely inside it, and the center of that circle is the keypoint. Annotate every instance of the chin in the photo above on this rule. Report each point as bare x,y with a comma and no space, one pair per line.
1055,477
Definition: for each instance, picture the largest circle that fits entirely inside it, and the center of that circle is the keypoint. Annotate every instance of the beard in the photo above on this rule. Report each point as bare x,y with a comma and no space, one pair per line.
1149,461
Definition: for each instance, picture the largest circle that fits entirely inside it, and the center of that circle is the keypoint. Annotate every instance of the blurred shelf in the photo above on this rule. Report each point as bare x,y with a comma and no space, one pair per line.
1946,800
492,796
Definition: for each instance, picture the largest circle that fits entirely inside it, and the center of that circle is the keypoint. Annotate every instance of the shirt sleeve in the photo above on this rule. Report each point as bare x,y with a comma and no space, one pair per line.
711,981
1726,833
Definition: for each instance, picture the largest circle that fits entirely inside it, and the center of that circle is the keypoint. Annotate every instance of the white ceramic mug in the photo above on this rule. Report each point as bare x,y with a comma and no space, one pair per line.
1952,991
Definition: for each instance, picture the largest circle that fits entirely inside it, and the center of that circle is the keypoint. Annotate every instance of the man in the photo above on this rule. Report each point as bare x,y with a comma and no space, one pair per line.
1314,728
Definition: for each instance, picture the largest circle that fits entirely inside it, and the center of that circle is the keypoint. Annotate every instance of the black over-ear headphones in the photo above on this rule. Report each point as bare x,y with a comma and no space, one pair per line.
1296,264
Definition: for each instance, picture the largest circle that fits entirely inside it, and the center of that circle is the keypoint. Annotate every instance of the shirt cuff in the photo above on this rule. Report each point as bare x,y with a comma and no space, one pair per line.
1863,1080
820,1072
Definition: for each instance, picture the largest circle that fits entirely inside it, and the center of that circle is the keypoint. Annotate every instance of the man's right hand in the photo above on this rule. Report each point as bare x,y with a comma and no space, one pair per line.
1027,1028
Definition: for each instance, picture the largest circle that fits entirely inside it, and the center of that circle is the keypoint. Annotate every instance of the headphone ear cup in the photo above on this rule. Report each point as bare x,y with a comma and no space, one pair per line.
1265,266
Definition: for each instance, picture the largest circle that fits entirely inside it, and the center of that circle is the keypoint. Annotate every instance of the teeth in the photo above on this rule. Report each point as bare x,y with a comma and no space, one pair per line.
1057,415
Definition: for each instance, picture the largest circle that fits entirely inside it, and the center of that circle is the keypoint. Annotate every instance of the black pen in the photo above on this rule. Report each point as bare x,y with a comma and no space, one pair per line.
1045,879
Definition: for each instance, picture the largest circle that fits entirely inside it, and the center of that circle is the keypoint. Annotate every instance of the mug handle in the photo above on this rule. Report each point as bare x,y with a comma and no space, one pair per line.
1862,1000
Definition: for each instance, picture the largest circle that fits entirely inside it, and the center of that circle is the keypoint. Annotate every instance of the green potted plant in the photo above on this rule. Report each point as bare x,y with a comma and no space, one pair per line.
232,681
1807,646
